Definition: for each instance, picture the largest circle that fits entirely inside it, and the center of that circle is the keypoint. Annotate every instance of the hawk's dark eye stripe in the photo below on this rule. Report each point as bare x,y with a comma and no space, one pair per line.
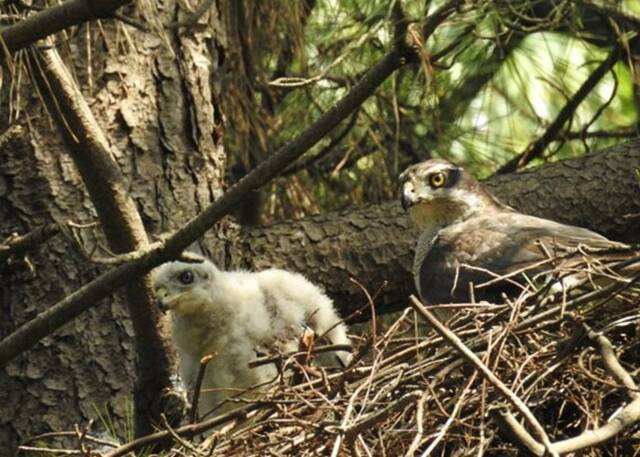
453,176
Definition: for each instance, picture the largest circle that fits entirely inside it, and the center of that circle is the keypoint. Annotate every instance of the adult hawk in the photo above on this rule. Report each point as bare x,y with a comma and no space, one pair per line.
235,314
469,236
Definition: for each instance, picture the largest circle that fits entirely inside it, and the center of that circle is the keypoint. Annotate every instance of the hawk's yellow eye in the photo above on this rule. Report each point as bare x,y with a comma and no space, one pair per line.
437,179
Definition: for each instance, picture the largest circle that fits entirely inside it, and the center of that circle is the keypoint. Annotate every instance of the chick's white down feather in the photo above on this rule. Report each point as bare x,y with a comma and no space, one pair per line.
236,313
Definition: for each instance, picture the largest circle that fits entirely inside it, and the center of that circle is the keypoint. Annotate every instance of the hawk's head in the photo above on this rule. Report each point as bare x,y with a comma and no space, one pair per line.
184,288
437,192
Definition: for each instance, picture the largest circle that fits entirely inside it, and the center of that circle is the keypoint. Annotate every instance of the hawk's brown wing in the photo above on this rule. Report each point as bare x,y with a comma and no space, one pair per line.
481,248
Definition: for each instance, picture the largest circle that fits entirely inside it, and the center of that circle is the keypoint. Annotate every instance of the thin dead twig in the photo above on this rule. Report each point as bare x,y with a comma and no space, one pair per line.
611,362
17,245
378,416
451,337
314,350
204,362
451,418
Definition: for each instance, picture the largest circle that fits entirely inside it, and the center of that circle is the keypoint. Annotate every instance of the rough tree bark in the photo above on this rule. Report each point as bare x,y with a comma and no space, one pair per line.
375,244
159,108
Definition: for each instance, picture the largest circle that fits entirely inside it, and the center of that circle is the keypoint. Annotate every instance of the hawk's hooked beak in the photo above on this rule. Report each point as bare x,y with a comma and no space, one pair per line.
161,295
408,196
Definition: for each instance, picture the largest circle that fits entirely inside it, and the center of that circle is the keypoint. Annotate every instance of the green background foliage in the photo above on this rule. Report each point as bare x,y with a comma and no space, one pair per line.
490,82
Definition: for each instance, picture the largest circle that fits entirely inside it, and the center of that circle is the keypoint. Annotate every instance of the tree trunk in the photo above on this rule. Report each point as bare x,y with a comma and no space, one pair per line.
374,244
156,102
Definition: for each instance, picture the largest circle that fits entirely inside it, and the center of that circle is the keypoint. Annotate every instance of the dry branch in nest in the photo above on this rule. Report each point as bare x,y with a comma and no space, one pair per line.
550,372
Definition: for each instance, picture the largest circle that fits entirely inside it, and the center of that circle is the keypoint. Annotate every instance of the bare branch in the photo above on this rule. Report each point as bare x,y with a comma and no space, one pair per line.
611,362
536,149
52,20
204,362
315,350
517,432
19,244
187,430
628,416
378,416
631,132
624,419
454,341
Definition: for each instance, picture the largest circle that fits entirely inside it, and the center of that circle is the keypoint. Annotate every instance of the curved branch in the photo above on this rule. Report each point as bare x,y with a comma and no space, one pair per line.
52,20
535,149
611,362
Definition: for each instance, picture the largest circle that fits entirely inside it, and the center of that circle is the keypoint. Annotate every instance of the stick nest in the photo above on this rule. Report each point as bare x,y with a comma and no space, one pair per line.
565,358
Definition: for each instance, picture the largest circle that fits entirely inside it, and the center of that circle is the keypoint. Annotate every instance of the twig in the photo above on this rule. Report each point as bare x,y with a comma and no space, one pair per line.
417,439
17,245
178,438
451,418
535,149
627,417
372,308
605,293
52,20
93,439
49,451
370,420
358,315
611,362
187,430
204,361
520,434
81,436
315,350
451,337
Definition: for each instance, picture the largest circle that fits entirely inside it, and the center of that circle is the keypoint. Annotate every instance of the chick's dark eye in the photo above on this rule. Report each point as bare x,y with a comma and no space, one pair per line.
186,277
437,179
